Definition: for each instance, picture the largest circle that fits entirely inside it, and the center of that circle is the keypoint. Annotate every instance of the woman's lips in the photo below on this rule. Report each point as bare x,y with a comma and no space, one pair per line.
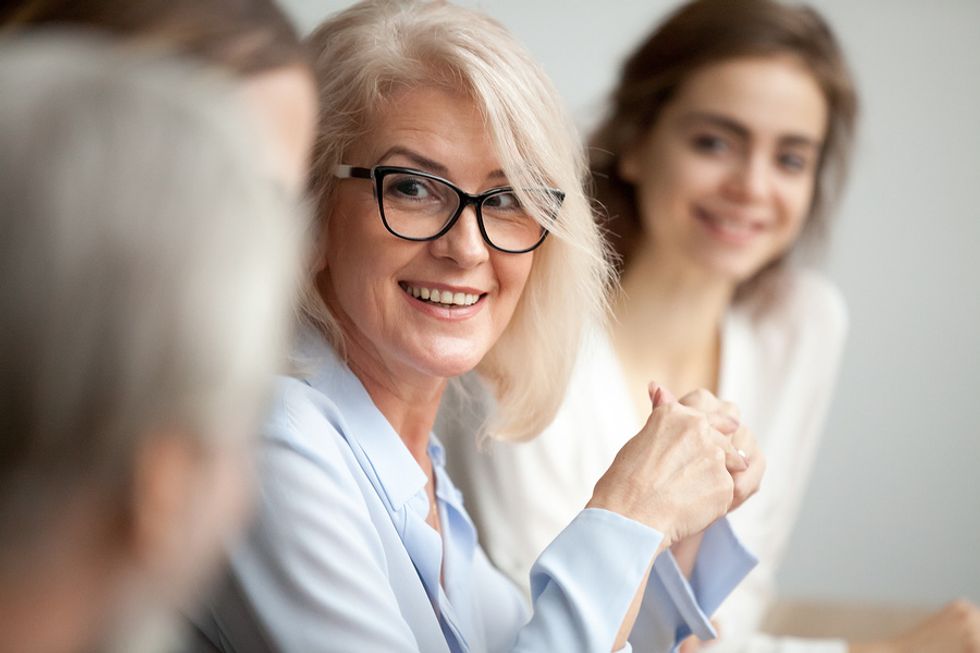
444,302
734,231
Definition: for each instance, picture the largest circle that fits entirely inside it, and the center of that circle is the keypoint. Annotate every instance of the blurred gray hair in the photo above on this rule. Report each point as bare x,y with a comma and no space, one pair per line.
148,261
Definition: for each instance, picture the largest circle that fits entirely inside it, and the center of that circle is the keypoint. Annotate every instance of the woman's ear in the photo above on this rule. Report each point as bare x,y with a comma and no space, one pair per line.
321,259
628,164
161,493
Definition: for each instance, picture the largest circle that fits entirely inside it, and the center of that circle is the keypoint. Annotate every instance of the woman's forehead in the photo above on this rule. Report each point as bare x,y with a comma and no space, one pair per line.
438,129
776,95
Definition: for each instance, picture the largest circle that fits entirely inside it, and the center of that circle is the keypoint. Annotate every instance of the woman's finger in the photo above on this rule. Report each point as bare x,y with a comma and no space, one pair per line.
735,461
726,424
659,395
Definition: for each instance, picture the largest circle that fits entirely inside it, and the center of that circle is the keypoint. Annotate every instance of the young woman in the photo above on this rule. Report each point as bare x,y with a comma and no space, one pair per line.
720,160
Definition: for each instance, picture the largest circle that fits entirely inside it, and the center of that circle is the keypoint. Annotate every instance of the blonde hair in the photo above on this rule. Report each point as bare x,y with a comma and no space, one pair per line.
364,54
148,263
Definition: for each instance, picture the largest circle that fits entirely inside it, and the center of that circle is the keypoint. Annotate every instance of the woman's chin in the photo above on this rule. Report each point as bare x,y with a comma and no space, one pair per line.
449,359
730,268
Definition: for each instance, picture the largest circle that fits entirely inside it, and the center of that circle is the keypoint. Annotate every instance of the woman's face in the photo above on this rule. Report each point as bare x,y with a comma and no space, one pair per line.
725,177
368,275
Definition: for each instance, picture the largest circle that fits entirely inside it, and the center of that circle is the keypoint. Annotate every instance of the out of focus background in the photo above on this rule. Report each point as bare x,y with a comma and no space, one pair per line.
892,515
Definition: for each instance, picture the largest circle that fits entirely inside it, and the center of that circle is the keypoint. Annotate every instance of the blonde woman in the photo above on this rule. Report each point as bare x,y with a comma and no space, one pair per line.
454,234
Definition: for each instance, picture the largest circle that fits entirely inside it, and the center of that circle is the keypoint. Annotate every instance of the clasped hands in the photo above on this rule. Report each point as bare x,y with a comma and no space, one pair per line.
691,463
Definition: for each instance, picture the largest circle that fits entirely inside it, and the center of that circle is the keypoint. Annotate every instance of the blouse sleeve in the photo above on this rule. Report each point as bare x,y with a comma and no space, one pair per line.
675,607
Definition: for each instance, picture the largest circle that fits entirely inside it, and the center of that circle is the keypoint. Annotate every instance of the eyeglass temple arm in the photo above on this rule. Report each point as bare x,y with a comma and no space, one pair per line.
346,172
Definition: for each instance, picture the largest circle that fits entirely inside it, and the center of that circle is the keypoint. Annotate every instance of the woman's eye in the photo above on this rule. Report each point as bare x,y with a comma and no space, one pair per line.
710,144
503,202
411,188
793,162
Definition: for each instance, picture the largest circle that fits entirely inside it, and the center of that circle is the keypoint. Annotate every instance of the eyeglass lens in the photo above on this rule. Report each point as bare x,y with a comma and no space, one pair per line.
419,207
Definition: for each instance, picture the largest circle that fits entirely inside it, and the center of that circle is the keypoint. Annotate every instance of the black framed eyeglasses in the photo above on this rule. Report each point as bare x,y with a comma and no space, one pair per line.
420,206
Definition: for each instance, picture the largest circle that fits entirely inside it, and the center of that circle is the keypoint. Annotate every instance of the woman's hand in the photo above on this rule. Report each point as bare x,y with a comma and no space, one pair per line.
676,474
954,629
746,482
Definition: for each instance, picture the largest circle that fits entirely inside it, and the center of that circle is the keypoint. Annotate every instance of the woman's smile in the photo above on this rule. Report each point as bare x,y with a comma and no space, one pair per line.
443,301
728,227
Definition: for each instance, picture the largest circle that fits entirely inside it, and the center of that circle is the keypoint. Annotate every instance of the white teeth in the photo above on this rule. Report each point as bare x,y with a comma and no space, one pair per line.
444,297
730,224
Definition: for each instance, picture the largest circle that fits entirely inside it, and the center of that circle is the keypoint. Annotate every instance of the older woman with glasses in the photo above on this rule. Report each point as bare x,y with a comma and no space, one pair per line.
455,235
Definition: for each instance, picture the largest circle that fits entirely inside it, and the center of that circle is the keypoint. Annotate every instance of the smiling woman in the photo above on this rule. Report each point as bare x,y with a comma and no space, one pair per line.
442,132
519,122
454,235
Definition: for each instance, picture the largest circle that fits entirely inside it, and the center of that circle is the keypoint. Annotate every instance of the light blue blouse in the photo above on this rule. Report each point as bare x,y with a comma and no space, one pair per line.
342,559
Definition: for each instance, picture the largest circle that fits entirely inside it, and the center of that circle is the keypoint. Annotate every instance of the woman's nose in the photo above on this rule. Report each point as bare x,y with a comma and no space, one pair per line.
750,178
463,243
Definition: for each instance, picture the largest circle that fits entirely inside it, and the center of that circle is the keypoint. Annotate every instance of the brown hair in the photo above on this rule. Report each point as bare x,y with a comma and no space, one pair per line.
696,35
244,36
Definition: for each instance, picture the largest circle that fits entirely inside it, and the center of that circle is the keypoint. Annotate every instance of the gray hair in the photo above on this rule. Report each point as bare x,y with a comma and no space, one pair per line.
365,53
148,261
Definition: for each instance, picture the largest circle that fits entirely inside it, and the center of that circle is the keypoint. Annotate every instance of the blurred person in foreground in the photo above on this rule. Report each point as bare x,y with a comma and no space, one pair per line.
251,40
149,260
723,155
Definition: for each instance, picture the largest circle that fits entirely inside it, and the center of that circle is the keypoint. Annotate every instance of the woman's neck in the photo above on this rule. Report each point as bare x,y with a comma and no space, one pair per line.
408,400
668,323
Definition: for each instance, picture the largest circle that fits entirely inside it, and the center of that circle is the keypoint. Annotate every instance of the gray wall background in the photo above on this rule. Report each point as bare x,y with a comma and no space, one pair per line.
893,510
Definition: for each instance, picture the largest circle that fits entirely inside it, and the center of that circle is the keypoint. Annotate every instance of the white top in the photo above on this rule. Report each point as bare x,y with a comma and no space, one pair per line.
778,364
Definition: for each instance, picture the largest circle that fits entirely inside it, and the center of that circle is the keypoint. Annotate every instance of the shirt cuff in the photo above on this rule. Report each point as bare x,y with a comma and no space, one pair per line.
592,570
722,563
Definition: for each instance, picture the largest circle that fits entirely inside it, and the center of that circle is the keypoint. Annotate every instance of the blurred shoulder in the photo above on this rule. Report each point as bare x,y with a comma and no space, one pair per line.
799,302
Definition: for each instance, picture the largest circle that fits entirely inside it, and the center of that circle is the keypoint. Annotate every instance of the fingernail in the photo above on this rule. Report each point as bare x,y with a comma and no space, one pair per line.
743,455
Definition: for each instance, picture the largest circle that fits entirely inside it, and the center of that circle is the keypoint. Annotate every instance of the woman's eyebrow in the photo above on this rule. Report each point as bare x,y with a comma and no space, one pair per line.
428,165
744,133
420,160
718,120
800,140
